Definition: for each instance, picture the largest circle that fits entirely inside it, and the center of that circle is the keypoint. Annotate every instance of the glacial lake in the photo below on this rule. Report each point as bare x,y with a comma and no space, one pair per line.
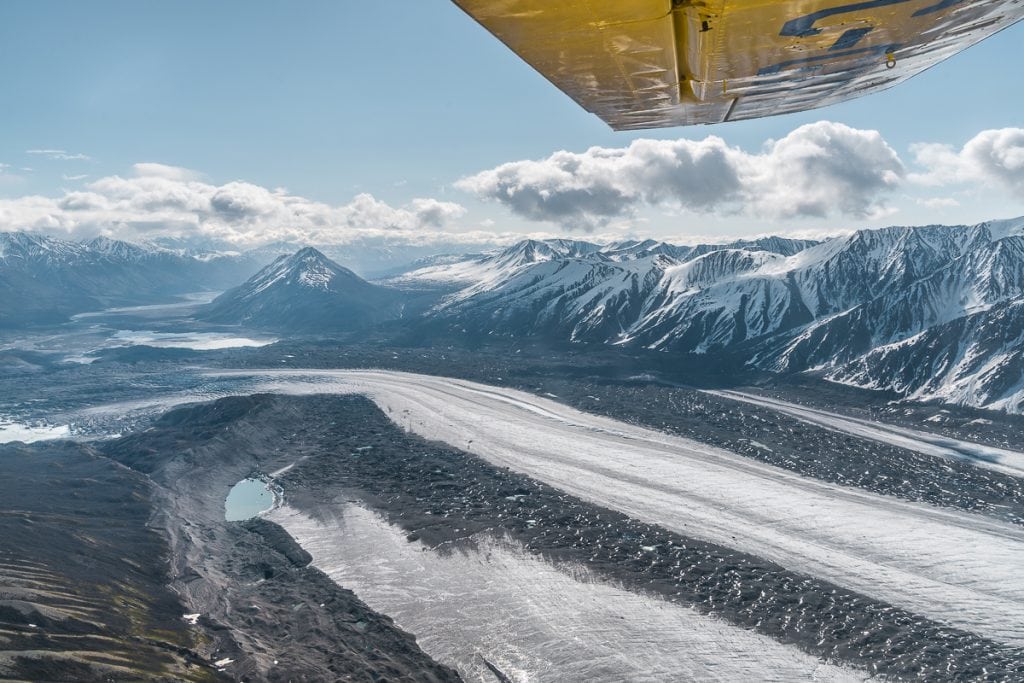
247,499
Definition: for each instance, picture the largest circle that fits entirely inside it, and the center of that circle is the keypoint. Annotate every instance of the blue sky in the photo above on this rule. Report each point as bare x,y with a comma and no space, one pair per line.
401,100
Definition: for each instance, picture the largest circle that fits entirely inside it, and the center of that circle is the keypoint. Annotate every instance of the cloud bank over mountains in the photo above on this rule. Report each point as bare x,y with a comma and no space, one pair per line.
823,170
820,170
159,200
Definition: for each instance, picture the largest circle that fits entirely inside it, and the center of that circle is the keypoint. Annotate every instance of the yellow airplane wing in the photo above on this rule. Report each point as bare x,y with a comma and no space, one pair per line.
654,63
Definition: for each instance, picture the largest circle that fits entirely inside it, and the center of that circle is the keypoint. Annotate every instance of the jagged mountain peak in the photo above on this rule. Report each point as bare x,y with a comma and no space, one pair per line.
783,246
16,238
308,254
118,249
307,268
534,251
32,247
714,266
305,291
1000,229
633,249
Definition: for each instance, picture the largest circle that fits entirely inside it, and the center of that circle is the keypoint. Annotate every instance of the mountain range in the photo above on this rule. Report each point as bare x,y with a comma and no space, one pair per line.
931,312
45,280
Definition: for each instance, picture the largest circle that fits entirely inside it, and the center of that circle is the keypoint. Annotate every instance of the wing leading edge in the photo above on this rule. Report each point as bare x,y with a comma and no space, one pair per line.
655,63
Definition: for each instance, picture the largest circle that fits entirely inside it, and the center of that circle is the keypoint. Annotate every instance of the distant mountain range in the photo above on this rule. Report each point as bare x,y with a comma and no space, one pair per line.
623,293
368,258
933,312
305,293
45,280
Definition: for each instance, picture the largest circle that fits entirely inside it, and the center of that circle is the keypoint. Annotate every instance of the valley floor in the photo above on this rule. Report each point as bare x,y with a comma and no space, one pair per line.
540,518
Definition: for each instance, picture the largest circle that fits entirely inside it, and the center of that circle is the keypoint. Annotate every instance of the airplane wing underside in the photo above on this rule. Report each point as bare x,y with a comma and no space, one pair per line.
654,63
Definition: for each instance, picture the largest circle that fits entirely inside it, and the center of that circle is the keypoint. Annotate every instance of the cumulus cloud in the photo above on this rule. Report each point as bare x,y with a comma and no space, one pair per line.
57,154
154,170
938,202
158,200
435,213
820,169
991,156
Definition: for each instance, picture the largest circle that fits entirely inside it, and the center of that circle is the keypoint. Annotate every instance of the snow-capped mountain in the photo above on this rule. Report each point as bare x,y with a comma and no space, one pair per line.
574,290
368,258
632,249
933,312
976,360
43,279
305,292
579,299
500,264
491,267
863,308
923,277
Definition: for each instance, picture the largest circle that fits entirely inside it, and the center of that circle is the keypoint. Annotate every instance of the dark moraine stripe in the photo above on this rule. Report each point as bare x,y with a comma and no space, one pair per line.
806,449
442,495
584,381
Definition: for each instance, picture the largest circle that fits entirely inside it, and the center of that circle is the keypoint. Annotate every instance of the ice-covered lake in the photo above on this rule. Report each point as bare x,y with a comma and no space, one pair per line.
11,431
197,341
164,326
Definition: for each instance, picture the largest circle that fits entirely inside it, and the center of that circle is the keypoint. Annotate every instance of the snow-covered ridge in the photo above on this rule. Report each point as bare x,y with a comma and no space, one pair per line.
932,312
840,307
47,280
498,265
26,247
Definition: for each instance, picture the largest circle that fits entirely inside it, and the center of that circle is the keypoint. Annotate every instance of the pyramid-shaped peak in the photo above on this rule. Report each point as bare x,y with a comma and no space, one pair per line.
304,291
309,267
307,253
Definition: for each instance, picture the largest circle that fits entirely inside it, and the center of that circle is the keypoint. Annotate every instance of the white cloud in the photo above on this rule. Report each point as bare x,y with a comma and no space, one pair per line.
82,176
158,200
819,170
991,157
435,213
57,154
153,170
939,202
